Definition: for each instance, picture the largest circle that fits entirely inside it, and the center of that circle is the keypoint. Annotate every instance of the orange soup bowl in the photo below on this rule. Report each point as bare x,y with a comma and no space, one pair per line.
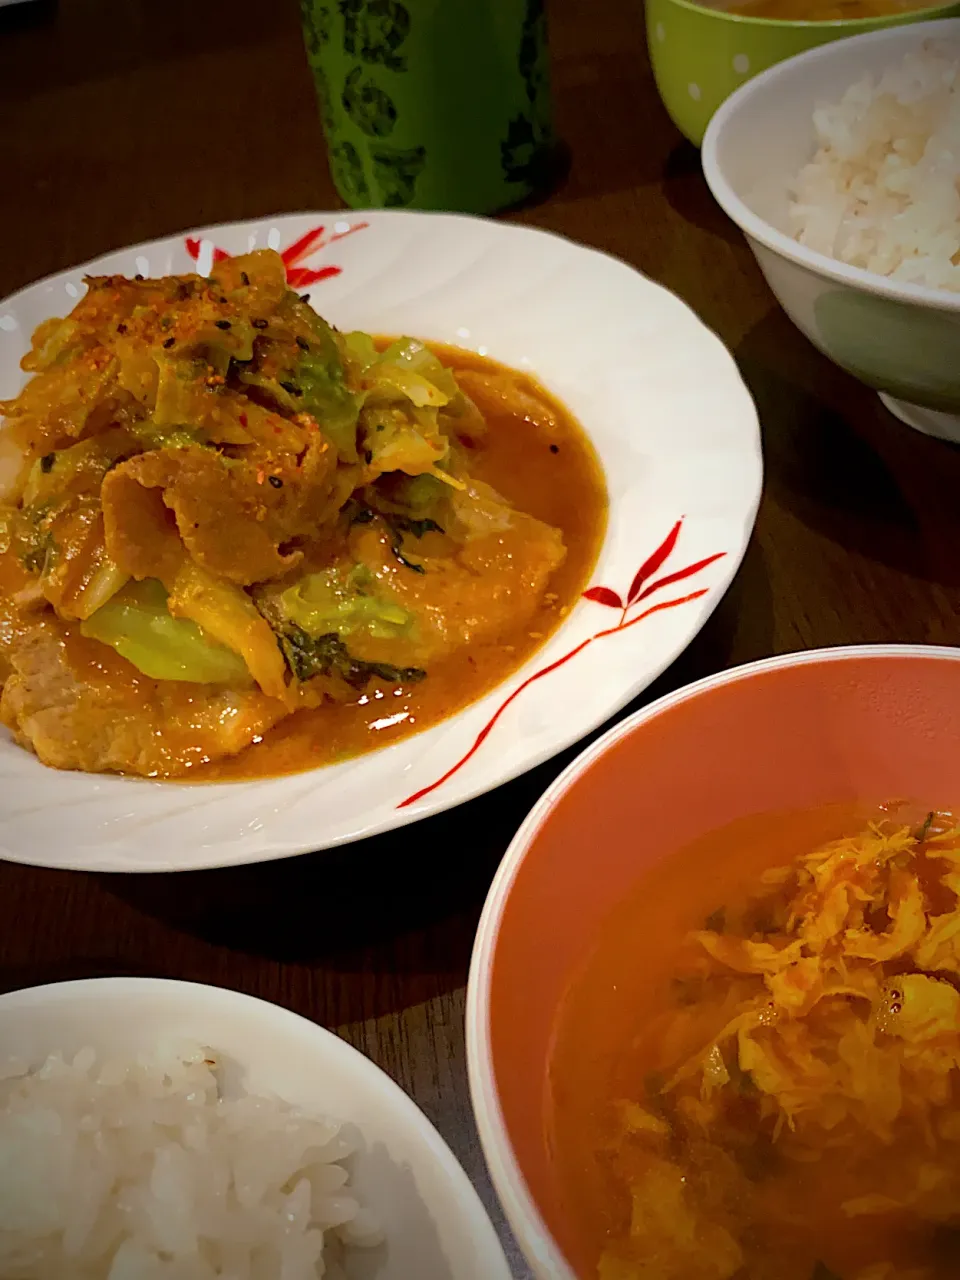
823,733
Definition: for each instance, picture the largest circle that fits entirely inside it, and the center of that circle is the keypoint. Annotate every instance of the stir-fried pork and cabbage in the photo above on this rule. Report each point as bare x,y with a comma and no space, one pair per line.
218,510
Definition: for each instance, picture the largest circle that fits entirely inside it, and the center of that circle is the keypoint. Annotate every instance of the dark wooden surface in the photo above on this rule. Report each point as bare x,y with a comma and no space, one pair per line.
125,119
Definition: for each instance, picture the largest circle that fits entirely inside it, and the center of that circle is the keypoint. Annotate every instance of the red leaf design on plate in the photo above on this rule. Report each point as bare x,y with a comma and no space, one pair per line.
603,595
485,731
654,608
300,248
193,250
688,572
310,242
357,226
653,562
297,277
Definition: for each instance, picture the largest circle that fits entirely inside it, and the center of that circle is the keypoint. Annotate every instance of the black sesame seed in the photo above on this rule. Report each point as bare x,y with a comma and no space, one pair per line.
47,461
244,277
276,482
221,301
304,297
121,327
302,343
169,343
554,448
259,324
222,324
138,276
291,388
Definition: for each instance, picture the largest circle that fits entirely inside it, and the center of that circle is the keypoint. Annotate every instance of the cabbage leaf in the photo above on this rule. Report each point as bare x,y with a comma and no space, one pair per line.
138,624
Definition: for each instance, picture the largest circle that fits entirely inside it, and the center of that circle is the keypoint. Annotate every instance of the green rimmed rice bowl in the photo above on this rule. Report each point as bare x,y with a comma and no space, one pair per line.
701,55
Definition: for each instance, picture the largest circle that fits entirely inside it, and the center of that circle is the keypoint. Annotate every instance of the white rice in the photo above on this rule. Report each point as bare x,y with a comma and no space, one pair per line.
883,190
140,1170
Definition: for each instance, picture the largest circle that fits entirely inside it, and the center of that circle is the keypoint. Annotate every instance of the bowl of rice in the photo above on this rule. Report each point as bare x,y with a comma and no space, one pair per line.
842,168
157,1130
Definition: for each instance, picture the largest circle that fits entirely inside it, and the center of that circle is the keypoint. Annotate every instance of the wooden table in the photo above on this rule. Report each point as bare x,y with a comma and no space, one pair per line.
124,120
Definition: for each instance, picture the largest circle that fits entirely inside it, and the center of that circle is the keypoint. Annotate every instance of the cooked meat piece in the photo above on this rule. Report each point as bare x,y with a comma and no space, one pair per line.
495,392
231,520
480,588
78,705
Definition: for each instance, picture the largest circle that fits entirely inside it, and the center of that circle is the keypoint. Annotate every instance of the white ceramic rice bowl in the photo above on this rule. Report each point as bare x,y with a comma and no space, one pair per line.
435,1225
901,339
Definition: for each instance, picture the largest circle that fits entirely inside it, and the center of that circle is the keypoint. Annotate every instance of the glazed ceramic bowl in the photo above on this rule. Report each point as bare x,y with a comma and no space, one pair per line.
434,1224
797,732
900,339
700,56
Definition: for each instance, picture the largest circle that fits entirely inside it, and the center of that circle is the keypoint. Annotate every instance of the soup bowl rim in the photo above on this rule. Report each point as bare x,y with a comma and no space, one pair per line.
527,1222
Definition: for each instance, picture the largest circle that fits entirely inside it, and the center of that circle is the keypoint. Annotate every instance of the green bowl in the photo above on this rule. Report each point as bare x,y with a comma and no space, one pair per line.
700,56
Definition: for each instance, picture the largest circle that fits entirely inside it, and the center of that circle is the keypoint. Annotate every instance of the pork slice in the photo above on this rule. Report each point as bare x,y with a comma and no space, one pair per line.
79,706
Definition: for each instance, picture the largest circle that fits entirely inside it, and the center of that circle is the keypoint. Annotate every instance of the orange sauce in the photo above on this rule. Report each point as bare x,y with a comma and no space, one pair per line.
555,476
606,1045
13,578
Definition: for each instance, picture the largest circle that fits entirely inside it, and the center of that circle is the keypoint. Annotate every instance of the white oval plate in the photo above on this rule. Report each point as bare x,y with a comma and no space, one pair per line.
678,437
434,1224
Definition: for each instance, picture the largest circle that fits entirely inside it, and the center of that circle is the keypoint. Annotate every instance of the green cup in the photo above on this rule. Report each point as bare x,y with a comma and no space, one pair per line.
433,104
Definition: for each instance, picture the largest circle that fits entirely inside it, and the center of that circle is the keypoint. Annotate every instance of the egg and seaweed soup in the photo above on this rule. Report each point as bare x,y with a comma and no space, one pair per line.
219,511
